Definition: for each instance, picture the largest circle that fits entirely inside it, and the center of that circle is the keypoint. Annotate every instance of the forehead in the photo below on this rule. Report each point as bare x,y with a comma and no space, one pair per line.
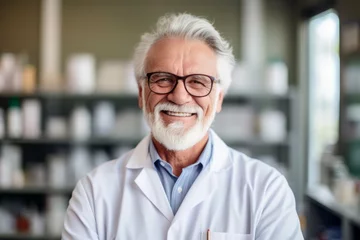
181,56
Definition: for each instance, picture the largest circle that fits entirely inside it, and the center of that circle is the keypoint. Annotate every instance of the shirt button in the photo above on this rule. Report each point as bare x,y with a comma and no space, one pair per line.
162,164
179,189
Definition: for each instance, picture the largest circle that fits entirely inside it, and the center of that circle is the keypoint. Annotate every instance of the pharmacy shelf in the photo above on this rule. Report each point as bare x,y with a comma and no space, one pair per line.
59,95
92,141
132,142
133,97
322,207
322,196
27,237
35,190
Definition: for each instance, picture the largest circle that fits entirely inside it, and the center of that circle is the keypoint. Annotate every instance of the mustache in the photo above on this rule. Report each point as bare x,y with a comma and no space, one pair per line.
176,108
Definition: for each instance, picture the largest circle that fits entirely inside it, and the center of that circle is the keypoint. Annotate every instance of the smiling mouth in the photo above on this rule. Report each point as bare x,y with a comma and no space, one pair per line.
178,114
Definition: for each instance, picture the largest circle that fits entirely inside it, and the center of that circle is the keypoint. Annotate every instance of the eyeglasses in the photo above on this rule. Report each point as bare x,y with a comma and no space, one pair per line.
197,85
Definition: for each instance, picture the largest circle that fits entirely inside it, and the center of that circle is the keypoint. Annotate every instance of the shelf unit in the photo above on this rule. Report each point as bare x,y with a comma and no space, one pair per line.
28,237
349,95
324,211
285,150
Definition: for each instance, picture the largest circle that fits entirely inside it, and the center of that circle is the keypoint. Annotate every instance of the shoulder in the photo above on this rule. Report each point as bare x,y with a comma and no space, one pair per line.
255,172
107,175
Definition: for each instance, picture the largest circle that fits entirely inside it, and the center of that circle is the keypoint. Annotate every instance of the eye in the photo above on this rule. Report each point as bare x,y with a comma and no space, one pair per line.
199,81
164,79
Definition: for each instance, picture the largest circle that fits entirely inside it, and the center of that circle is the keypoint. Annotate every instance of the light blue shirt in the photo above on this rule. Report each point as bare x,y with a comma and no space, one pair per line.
175,187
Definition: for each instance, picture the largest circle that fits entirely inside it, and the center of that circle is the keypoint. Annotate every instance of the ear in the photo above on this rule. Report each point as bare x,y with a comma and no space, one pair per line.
140,100
220,101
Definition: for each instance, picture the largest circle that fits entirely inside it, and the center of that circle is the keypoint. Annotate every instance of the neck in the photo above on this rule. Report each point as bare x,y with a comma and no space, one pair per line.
181,159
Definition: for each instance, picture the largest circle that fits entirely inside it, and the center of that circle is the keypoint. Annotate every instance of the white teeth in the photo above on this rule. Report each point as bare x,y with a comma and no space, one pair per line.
178,114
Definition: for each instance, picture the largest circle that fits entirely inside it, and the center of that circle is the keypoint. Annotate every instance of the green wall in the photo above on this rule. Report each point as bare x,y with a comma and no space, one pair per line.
111,28
19,27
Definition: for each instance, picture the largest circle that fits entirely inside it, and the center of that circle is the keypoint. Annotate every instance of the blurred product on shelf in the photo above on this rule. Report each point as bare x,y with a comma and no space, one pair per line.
235,122
14,116
29,79
272,126
31,118
128,124
80,163
57,171
81,74
335,175
80,124
241,83
11,173
7,221
56,127
352,77
37,222
2,123
55,214
111,77
36,175
350,37
130,86
104,119
22,221
16,75
276,81
327,162
353,122
16,217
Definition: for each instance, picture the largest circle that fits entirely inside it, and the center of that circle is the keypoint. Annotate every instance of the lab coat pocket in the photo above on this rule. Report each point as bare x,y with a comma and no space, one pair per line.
226,236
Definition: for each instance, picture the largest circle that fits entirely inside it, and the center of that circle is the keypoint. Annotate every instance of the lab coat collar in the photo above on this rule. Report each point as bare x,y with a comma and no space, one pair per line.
220,160
204,186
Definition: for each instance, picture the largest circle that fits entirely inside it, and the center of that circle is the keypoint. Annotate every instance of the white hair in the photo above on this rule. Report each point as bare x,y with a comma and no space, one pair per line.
190,27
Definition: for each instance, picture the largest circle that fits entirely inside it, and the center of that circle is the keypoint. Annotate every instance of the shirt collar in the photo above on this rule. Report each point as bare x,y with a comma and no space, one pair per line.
204,158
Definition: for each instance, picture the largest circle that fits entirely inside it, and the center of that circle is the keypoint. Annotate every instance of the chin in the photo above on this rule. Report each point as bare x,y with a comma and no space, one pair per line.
175,138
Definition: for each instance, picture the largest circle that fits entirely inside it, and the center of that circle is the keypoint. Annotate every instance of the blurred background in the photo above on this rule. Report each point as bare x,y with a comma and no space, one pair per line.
68,100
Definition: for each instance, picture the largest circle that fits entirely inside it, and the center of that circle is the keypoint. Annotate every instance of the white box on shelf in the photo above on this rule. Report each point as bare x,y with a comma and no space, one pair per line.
81,73
235,123
272,126
31,118
110,77
277,75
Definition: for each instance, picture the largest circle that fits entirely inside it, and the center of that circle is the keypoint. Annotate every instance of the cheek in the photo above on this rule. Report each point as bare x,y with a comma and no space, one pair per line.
208,105
151,100
205,105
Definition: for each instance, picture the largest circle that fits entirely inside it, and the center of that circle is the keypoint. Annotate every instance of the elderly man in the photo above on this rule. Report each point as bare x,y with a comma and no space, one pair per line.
182,181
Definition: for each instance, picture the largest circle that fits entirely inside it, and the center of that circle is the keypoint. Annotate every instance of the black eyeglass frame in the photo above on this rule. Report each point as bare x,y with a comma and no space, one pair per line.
213,80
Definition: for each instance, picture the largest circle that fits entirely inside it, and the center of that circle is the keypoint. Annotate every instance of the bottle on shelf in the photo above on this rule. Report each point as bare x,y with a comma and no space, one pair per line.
14,123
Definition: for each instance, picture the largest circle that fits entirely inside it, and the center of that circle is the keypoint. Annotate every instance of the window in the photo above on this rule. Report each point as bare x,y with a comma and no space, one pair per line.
324,88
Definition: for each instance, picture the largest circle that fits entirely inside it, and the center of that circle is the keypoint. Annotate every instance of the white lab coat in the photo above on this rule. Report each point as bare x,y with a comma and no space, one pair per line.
235,197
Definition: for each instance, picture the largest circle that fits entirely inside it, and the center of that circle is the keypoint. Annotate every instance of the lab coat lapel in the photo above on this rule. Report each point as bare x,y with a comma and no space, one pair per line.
206,184
203,187
148,180
149,183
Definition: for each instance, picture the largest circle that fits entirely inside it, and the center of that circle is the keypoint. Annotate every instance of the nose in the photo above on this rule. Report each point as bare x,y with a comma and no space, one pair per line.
179,95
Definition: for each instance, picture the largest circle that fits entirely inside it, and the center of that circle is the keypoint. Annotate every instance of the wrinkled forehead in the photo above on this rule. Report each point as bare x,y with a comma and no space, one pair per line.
181,56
